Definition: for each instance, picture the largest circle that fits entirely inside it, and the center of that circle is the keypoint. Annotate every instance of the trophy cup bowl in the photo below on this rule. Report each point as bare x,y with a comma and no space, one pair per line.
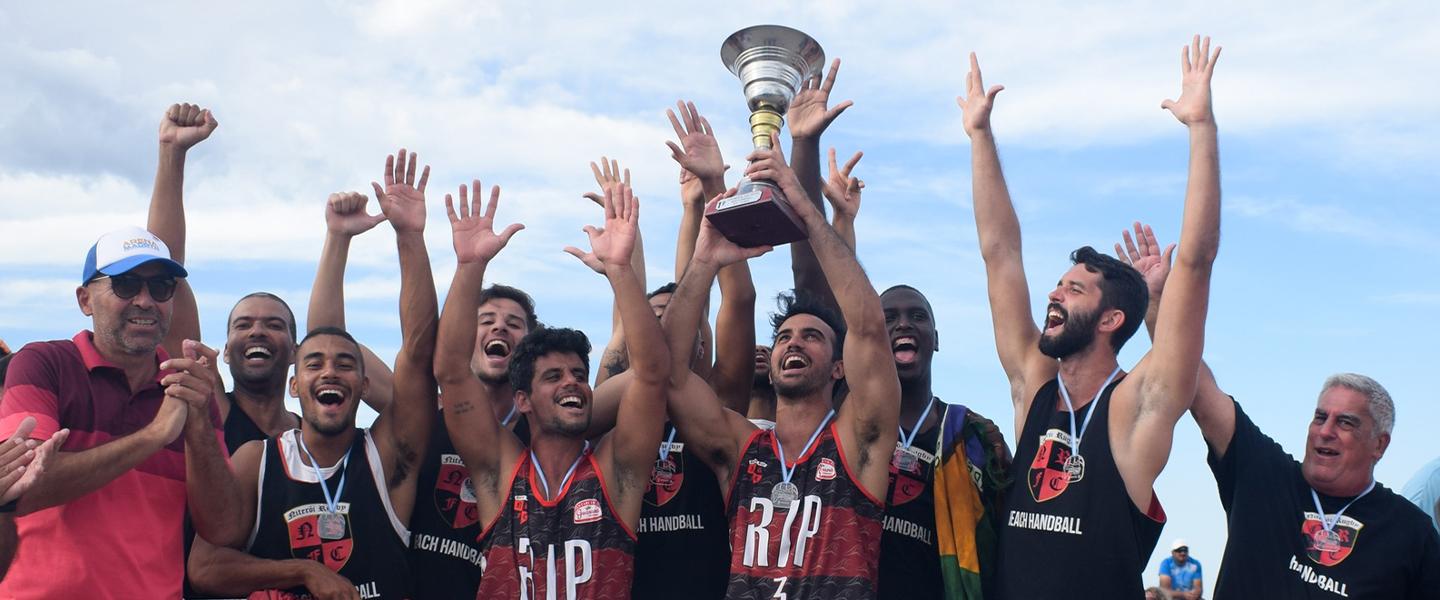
772,62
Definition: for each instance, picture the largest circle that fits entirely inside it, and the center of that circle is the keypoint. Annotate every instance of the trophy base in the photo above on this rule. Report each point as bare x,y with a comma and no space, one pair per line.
757,215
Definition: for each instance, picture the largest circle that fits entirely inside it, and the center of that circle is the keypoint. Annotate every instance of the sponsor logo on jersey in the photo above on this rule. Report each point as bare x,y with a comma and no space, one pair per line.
519,505
588,511
455,493
305,541
666,477
1333,547
1048,477
825,471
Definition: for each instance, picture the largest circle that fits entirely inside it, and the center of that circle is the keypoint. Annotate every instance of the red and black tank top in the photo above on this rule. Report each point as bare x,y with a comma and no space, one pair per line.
824,544
369,550
445,529
1069,528
574,547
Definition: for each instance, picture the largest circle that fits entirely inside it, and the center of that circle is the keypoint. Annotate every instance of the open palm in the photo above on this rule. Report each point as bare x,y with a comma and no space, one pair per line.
697,152
472,230
1143,253
810,112
1197,67
402,200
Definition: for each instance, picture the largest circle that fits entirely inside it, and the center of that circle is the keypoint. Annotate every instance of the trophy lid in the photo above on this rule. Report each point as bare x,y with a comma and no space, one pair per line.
791,41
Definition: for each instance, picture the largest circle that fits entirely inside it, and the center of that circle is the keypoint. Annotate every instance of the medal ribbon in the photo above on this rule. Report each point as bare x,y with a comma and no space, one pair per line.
787,472
509,416
905,440
1329,524
1065,395
665,445
331,503
541,472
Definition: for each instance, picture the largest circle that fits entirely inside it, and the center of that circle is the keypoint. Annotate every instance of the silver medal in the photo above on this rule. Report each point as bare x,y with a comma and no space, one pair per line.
784,494
1326,541
1075,467
331,526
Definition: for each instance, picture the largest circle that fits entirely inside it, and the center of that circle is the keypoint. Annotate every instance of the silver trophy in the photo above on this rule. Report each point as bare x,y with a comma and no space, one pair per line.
772,61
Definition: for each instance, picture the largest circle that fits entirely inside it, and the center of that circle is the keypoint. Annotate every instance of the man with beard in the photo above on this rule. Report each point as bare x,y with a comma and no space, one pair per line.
559,515
805,499
949,448
1318,528
332,502
1094,504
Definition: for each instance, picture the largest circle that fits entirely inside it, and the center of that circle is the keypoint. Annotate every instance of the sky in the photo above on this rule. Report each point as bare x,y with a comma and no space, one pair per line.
1328,151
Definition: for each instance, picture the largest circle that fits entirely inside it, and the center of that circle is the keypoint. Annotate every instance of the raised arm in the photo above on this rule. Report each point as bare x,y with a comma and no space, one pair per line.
868,419
629,450
485,446
699,157
998,230
403,429
613,358
1163,385
345,218
809,116
843,192
183,126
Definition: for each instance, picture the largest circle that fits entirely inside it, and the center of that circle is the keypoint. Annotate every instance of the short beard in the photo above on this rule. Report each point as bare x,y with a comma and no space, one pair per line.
804,387
561,428
329,431
1078,335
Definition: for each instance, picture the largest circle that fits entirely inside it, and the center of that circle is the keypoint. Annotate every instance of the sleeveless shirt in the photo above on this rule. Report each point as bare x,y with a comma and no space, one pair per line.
1071,534
909,558
826,544
683,547
370,553
573,547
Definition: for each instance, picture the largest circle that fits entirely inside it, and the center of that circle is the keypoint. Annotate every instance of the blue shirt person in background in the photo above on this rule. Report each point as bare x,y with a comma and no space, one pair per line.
1424,490
1180,575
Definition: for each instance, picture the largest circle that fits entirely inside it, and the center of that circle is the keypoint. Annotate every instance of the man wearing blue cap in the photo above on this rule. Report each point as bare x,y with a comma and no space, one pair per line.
105,521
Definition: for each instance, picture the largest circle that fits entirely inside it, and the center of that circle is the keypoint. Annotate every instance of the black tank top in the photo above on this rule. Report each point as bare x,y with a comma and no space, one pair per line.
445,552
371,550
909,560
1071,535
684,549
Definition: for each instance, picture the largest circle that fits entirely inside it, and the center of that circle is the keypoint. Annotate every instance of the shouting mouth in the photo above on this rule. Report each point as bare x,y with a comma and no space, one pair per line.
497,349
257,354
905,349
1055,316
330,396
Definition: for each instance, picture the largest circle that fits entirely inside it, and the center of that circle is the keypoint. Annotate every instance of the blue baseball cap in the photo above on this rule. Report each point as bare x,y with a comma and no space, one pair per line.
119,251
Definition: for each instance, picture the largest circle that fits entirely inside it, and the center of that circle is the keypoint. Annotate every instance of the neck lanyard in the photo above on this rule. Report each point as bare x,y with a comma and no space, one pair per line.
665,445
787,472
510,416
331,503
1065,395
1329,524
541,472
908,440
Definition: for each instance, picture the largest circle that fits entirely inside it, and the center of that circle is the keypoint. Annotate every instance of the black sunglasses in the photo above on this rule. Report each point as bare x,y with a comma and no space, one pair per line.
128,286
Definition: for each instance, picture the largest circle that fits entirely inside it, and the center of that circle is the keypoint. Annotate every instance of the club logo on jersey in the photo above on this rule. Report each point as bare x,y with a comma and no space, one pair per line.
588,511
308,542
1329,548
520,505
455,493
825,471
665,479
1049,476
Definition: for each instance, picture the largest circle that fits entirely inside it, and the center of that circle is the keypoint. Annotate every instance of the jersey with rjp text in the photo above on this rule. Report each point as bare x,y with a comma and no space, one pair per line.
1070,529
369,551
825,544
573,547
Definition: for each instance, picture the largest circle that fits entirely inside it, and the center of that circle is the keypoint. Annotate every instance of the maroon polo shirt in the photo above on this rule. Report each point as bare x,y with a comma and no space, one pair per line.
123,540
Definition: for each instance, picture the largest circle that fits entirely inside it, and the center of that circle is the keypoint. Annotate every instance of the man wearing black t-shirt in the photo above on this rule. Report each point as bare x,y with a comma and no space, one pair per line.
1320,528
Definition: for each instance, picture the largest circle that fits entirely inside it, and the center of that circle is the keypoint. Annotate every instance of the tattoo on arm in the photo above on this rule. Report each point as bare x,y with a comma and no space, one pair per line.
462,407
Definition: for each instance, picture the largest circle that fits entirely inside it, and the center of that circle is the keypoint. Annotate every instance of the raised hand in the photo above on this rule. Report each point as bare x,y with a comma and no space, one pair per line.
842,190
613,243
608,177
977,101
402,200
809,114
1143,253
713,246
769,164
185,125
345,214
1197,66
193,381
473,231
698,152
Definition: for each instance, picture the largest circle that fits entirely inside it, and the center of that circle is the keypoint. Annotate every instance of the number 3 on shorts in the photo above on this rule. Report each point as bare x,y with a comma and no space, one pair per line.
780,588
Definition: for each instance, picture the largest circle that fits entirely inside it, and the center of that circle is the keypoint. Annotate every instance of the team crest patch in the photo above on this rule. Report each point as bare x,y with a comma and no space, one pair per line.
520,504
307,541
825,471
1329,548
1052,470
588,511
455,493
666,477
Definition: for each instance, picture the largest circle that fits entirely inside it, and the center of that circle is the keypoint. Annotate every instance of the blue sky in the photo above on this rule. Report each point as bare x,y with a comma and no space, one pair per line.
1329,252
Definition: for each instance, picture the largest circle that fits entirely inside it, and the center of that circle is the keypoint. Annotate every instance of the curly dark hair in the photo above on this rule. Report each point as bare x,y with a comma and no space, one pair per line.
800,302
1121,286
527,304
668,288
540,342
